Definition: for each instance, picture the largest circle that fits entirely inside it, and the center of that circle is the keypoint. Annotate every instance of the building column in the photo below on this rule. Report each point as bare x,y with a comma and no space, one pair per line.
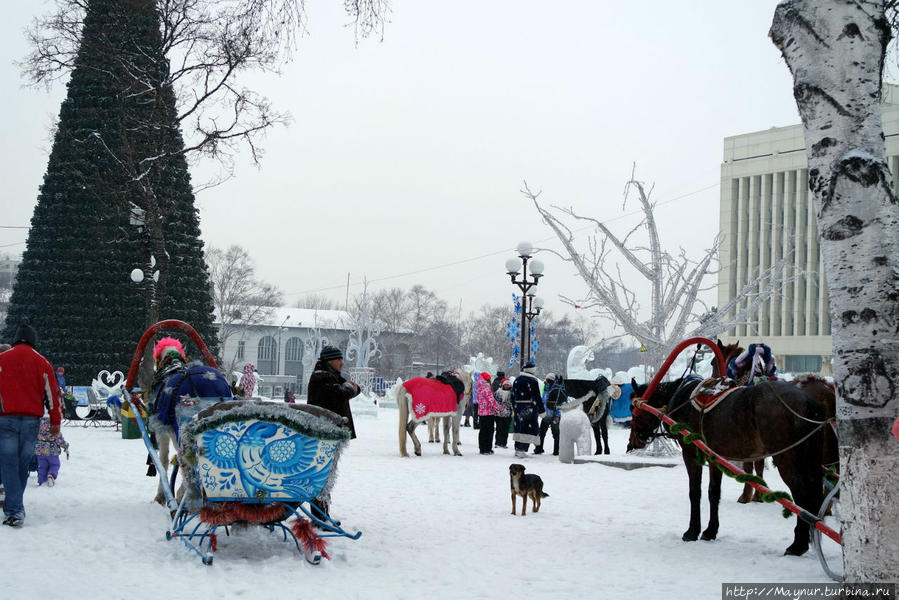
775,318
789,234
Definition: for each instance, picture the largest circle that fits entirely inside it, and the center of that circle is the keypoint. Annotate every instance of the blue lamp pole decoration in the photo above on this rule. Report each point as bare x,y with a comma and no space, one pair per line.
514,267
535,305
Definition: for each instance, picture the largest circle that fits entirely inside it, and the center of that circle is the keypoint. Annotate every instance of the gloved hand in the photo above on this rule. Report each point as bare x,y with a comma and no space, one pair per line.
54,429
67,455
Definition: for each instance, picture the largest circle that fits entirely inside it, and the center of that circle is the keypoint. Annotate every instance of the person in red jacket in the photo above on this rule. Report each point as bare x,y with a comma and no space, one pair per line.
27,386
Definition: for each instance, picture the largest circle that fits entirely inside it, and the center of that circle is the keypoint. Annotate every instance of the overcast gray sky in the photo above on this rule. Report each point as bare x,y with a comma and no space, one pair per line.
406,156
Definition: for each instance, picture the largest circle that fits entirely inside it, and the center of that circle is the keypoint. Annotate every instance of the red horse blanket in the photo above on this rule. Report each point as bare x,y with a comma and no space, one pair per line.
430,398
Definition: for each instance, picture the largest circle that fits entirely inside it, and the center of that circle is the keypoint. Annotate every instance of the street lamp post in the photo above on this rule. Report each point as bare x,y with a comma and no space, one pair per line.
278,355
514,266
533,308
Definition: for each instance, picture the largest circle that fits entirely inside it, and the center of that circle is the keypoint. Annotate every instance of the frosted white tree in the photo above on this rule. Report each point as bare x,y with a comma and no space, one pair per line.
676,281
835,50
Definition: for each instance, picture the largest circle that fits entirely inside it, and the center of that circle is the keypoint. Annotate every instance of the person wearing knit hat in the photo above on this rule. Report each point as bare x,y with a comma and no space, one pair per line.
166,350
26,381
551,418
61,379
328,389
503,395
527,406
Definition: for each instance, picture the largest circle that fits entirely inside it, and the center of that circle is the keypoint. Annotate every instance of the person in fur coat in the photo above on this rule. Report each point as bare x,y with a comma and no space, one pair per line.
328,389
527,405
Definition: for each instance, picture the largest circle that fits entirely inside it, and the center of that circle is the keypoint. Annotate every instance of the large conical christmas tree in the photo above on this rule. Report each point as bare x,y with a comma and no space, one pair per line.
116,192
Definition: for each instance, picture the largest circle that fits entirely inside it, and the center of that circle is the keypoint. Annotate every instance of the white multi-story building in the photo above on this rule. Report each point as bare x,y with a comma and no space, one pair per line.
766,209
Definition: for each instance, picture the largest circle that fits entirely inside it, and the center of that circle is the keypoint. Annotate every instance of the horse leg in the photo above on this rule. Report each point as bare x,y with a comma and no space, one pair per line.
410,428
457,420
604,430
597,436
711,532
162,439
759,470
746,496
694,472
402,404
800,469
446,434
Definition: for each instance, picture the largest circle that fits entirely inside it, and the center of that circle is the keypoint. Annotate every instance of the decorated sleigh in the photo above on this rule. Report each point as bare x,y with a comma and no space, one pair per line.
247,462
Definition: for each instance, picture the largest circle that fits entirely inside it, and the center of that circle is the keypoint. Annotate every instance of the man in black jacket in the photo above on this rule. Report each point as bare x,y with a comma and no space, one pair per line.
328,388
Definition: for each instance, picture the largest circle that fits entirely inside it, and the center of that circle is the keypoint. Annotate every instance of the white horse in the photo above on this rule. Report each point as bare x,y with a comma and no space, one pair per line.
407,425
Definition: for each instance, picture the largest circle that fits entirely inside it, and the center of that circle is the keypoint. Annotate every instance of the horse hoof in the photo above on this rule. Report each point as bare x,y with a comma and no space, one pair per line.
757,498
689,536
743,500
796,550
708,537
446,452
418,453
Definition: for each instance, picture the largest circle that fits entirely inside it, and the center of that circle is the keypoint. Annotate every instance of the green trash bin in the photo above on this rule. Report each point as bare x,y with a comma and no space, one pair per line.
130,428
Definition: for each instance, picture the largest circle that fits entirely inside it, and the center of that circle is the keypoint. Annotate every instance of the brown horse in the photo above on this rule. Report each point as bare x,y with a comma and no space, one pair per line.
819,389
773,418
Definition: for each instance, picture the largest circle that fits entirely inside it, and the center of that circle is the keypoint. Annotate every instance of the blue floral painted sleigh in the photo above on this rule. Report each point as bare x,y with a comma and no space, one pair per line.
247,461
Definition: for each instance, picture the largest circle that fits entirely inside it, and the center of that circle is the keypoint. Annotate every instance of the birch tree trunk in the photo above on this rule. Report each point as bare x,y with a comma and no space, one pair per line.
835,50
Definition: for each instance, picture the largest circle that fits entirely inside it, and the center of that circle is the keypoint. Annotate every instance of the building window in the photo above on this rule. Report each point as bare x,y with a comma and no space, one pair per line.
265,355
798,363
293,358
241,346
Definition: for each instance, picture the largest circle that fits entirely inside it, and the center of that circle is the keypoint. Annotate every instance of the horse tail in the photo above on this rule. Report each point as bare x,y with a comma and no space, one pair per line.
403,405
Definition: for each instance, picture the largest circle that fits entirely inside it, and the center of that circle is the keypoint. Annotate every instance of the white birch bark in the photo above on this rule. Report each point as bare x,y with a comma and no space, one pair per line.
835,50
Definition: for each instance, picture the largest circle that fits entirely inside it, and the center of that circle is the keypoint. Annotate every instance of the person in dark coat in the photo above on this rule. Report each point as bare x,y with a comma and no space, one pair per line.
527,405
328,388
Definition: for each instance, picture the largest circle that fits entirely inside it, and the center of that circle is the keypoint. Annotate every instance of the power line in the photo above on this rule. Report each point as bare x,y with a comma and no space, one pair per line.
488,255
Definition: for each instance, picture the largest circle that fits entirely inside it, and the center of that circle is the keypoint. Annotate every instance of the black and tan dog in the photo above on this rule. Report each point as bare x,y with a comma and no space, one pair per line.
526,486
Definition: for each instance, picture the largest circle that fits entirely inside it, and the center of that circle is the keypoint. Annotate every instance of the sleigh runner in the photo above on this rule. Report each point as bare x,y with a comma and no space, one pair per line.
247,461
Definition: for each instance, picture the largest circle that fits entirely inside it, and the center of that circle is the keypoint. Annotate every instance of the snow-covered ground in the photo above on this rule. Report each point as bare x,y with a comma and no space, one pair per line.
433,527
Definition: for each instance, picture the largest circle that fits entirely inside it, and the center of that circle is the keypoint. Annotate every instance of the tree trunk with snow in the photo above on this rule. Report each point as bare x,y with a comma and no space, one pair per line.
835,50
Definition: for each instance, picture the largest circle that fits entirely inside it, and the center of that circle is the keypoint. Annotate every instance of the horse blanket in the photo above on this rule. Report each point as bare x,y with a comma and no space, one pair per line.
710,392
430,397
195,381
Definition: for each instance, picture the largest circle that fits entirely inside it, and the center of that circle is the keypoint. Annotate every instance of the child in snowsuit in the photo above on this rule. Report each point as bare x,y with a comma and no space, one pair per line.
47,450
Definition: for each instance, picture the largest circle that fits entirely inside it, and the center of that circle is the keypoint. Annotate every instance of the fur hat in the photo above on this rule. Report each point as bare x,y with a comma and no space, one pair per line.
550,377
485,375
60,370
166,349
330,353
26,334
529,367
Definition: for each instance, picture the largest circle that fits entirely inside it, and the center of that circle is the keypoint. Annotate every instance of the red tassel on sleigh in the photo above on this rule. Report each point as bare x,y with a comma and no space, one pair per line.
303,530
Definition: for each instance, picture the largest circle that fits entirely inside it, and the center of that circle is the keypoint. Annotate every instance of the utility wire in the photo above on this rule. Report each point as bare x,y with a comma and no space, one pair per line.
488,255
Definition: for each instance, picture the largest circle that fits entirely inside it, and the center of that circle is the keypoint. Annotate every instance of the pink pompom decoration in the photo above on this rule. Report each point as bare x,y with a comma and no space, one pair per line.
165,344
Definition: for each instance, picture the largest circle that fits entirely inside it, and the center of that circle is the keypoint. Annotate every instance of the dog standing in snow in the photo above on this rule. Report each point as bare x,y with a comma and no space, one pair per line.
526,486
